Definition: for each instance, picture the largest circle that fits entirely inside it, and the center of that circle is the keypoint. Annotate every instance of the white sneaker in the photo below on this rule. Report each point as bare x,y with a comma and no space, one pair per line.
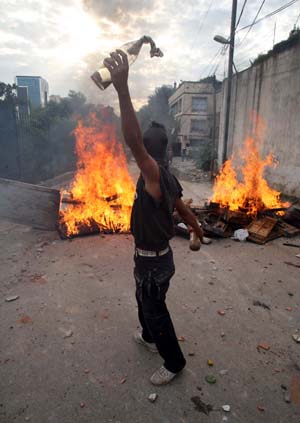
206,241
137,337
162,376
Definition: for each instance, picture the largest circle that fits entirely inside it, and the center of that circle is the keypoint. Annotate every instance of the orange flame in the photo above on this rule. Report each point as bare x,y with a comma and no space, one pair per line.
103,189
253,194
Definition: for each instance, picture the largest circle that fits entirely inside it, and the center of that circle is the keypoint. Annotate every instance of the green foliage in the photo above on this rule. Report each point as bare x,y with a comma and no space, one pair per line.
157,109
48,140
7,92
294,39
204,156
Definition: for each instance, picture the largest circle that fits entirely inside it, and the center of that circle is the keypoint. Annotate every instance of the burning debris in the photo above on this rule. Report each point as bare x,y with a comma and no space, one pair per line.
249,203
253,195
101,196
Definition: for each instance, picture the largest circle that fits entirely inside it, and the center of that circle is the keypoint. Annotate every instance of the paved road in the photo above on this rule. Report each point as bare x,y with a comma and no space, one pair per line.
66,343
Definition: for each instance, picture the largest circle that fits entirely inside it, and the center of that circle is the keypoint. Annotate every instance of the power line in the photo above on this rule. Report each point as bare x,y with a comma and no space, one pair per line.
242,11
297,20
211,64
204,16
211,61
280,9
254,20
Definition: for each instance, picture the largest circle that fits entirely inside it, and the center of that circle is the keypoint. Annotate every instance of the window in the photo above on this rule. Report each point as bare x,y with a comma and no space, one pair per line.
195,142
199,104
198,125
180,106
176,108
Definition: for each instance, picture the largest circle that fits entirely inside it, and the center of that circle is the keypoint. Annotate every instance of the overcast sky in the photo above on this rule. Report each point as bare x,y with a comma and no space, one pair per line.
65,41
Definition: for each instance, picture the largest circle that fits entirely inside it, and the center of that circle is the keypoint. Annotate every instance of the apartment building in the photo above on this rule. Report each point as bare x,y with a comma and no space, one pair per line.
195,106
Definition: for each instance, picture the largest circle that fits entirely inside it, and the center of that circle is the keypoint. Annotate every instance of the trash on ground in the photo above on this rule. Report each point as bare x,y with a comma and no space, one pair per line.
210,362
295,390
261,408
210,379
226,408
240,235
181,338
201,406
11,298
289,263
260,304
68,333
263,346
206,241
152,397
287,397
291,244
39,279
223,372
82,404
296,338
25,319
122,381
221,312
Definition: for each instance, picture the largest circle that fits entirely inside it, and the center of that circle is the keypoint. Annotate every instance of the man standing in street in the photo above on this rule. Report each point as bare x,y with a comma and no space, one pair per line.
157,193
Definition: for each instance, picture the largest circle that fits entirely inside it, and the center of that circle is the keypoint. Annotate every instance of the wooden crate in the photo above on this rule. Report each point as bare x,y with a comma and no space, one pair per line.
260,230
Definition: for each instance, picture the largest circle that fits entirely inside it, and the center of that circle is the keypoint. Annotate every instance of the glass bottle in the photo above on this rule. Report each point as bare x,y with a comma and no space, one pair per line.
102,76
195,242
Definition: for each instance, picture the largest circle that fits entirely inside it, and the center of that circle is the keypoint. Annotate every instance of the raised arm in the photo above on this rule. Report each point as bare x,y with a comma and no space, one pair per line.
117,64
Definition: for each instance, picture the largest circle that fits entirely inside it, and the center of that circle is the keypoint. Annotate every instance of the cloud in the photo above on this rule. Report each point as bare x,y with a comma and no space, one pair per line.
118,10
65,42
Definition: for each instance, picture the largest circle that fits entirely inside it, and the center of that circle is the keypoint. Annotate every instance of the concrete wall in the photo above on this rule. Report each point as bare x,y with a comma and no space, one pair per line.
272,90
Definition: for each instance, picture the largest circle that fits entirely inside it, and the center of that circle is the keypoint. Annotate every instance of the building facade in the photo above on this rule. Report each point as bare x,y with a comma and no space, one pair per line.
195,107
55,98
37,90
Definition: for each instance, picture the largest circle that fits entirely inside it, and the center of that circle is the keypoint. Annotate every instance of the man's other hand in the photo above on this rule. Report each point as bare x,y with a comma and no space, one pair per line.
117,64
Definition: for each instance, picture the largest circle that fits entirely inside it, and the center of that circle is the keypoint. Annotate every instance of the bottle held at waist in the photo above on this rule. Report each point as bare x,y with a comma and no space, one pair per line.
195,242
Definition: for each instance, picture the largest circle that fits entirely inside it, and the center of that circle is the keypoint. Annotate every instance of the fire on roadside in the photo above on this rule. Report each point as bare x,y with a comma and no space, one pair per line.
102,191
252,193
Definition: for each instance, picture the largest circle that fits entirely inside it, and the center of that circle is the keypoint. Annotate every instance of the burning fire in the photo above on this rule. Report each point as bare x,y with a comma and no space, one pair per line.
102,192
253,194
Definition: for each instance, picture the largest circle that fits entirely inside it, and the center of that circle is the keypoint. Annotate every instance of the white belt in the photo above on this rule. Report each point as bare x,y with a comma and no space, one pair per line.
146,253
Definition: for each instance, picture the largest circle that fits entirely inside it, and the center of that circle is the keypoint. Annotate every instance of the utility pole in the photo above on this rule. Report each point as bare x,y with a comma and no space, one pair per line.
229,79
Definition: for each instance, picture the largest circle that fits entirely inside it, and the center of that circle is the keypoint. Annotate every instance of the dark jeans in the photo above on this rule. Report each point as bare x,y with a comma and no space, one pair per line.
152,276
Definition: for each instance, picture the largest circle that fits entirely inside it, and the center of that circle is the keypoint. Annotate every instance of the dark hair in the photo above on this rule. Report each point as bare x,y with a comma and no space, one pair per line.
156,141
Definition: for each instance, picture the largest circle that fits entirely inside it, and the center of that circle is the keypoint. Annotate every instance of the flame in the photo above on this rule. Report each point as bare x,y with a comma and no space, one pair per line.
102,188
253,194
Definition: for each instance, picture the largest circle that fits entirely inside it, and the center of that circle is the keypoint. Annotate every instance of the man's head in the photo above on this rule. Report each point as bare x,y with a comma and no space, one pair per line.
156,141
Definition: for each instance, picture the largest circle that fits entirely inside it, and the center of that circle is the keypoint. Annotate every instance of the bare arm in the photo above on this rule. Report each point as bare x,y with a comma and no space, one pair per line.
117,64
188,217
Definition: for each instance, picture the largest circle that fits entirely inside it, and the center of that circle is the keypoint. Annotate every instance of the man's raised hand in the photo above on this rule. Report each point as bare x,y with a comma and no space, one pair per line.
117,64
